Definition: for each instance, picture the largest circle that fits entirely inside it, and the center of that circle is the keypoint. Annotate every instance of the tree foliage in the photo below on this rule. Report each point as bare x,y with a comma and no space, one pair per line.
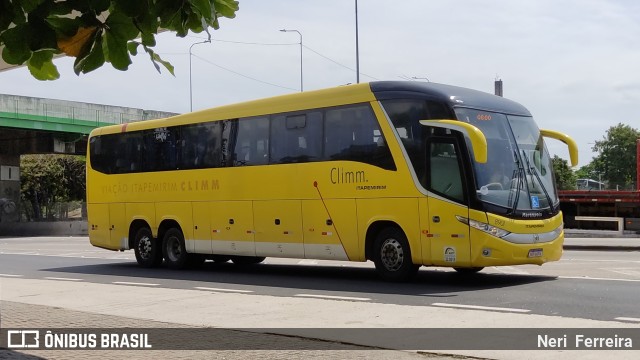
98,31
49,179
565,177
616,159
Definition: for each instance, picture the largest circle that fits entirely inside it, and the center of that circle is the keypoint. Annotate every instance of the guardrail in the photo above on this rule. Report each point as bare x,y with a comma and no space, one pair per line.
618,220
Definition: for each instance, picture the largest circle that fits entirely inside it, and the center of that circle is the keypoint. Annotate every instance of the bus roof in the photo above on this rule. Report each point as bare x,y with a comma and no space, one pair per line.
456,96
341,95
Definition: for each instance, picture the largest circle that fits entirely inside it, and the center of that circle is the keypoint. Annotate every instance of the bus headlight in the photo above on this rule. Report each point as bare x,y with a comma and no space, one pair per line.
489,229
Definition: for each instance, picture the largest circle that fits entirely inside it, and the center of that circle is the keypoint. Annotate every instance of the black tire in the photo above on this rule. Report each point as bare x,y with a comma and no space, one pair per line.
220,258
468,270
174,250
147,249
247,260
392,255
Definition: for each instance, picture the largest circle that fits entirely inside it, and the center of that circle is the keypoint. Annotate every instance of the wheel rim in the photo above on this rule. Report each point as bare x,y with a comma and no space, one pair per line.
392,254
144,247
174,250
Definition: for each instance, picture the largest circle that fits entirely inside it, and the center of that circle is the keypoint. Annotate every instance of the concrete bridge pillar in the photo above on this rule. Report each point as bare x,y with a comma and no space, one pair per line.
9,187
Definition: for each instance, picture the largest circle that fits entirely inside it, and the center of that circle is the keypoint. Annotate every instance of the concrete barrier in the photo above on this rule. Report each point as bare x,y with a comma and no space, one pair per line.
619,220
45,228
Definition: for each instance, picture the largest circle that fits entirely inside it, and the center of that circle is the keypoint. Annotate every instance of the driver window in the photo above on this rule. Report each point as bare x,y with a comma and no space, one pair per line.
445,177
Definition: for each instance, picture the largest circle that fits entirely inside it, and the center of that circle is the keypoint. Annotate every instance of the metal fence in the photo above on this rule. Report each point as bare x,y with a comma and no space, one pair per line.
60,211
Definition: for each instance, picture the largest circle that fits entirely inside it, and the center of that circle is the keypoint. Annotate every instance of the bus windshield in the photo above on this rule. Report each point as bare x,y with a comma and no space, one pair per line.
518,174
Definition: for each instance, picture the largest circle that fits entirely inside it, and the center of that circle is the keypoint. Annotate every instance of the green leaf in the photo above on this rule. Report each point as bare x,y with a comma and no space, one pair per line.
63,26
92,55
101,5
30,5
132,46
155,58
121,26
148,39
41,65
95,59
202,8
118,52
42,36
132,8
16,44
226,8
148,23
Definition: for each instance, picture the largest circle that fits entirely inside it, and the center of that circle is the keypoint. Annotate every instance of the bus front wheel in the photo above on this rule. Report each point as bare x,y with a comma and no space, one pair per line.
174,250
392,256
147,249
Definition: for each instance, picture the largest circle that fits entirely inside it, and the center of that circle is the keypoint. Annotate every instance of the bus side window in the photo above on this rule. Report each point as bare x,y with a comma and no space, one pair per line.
352,133
252,142
444,165
296,138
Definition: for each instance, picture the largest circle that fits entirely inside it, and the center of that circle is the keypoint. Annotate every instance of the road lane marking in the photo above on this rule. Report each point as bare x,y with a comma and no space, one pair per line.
511,270
223,290
624,271
62,278
11,275
596,278
133,283
333,297
478,307
628,319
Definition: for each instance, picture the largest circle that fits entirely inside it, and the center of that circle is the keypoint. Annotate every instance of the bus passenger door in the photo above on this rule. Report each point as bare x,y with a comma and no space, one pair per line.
232,230
448,236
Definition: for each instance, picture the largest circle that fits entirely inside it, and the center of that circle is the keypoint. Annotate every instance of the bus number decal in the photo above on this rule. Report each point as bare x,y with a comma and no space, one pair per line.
483,117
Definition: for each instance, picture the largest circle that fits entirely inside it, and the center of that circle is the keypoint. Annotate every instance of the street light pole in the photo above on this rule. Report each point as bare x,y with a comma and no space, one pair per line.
285,30
190,81
357,49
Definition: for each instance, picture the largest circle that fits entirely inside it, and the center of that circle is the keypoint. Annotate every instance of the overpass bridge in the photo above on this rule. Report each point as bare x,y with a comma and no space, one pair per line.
43,126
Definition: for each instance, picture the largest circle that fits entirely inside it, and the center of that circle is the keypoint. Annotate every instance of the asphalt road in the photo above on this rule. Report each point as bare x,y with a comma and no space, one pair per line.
597,285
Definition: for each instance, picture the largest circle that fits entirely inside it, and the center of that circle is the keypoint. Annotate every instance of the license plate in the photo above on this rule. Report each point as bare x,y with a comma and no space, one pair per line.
535,253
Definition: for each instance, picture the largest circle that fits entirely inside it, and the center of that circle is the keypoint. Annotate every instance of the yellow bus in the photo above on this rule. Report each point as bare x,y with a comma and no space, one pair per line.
403,174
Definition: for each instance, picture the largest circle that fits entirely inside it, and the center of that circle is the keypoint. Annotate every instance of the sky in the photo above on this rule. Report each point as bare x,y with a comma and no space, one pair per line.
575,64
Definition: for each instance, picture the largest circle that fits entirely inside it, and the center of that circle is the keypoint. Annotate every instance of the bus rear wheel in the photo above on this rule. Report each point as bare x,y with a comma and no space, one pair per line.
147,249
174,250
392,256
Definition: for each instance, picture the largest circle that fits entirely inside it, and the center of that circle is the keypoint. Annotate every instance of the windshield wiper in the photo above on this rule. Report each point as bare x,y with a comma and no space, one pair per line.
517,176
534,171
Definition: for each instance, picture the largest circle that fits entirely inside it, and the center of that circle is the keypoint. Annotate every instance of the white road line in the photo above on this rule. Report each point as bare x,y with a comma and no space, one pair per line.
595,278
223,290
133,283
511,270
62,278
627,319
477,307
10,275
333,297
